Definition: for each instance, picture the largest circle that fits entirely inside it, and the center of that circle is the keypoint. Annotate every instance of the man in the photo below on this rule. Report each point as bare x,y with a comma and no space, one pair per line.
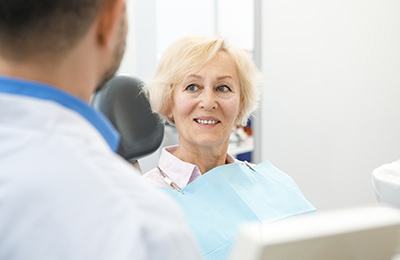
64,194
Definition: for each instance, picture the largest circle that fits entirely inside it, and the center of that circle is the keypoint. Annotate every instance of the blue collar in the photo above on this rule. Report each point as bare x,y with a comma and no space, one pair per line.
46,92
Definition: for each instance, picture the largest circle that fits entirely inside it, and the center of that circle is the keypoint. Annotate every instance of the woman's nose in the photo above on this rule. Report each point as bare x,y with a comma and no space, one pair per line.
208,100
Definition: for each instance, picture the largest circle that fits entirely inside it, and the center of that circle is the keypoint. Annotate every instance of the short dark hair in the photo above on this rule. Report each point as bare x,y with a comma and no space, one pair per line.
34,26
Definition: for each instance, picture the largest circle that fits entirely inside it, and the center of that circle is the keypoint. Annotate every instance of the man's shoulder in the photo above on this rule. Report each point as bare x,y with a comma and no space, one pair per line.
71,182
77,197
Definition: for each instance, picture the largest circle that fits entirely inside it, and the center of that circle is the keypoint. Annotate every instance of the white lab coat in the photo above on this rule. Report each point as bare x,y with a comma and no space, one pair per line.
65,195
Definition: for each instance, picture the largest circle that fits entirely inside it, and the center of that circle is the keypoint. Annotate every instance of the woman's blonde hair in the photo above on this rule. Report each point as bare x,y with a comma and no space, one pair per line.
189,55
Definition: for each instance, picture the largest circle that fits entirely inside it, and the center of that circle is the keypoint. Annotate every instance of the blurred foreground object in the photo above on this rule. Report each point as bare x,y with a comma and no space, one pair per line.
370,233
386,181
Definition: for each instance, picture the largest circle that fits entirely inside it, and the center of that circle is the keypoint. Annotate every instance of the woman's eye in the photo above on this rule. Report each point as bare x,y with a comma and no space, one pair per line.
192,88
224,88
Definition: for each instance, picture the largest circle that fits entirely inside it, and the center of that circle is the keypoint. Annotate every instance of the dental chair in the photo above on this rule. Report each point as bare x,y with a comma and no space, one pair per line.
124,103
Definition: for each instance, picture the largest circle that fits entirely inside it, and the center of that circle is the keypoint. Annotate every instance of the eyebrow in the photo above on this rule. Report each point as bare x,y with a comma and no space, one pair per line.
218,78
194,76
224,77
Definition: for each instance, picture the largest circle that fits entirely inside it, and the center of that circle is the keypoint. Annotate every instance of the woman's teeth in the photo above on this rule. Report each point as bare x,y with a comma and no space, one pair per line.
206,122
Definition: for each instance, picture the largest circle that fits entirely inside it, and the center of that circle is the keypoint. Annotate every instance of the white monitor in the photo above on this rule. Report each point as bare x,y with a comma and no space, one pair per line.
370,233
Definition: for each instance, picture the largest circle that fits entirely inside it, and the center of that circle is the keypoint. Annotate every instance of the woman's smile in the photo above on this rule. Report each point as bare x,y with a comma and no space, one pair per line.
207,121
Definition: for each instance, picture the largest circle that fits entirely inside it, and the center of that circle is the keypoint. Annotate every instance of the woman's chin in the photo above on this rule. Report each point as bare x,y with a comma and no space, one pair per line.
210,142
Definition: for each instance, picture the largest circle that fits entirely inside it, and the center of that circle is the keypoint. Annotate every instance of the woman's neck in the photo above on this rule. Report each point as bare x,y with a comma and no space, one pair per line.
206,158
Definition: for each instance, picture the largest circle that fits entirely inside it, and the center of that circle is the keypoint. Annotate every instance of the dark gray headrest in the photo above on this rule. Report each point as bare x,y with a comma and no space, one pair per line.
124,103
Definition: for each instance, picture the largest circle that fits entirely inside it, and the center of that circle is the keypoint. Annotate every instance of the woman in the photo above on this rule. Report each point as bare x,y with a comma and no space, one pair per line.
206,88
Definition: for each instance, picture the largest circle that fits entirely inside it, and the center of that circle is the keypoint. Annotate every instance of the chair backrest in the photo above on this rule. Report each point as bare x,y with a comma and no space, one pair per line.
124,103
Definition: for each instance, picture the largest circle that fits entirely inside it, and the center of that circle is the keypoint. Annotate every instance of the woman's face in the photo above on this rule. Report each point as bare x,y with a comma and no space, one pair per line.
206,103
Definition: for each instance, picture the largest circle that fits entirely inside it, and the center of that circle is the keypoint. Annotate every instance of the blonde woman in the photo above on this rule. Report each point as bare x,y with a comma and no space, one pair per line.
206,88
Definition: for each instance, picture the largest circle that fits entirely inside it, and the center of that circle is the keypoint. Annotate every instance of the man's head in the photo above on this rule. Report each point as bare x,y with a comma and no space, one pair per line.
28,26
51,30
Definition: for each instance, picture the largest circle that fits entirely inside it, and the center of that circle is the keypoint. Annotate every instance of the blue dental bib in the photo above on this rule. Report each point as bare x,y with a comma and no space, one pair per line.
218,202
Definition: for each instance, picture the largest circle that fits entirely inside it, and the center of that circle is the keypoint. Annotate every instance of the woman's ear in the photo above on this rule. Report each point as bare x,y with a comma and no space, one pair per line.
168,109
166,112
239,118
170,116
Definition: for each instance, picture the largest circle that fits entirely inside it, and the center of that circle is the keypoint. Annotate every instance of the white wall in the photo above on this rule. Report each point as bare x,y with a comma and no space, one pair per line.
331,96
141,50
180,18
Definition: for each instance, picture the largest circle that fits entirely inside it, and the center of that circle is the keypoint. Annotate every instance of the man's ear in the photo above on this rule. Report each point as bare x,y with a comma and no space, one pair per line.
109,20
